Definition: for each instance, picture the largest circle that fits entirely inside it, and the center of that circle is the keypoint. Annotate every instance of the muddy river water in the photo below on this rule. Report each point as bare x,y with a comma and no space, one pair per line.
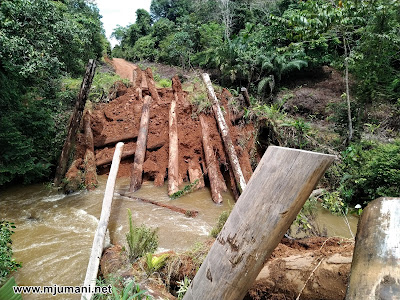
55,232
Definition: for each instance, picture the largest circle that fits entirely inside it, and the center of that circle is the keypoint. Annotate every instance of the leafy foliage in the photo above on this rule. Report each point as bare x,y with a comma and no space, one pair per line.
7,263
220,223
140,239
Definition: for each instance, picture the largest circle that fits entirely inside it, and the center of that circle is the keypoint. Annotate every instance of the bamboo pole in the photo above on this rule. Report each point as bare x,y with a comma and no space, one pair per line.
173,161
98,241
75,121
275,194
375,271
137,169
211,162
226,137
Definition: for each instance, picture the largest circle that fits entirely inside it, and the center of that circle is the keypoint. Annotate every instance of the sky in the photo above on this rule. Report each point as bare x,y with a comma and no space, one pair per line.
119,12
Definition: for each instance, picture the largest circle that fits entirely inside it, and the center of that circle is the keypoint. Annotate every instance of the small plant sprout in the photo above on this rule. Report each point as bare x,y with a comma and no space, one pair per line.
358,209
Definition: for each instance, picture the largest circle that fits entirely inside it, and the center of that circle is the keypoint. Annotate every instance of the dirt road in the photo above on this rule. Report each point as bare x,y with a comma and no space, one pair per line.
124,68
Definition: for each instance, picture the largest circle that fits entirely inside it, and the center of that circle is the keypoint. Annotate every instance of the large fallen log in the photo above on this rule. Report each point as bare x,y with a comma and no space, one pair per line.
98,241
173,161
137,169
275,194
75,121
375,272
112,140
211,162
186,212
90,160
226,137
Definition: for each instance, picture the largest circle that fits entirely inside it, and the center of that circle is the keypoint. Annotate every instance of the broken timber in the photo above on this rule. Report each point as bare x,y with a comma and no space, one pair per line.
75,121
141,145
173,160
211,161
226,137
186,212
98,241
375,271
275,194
90,159
152,86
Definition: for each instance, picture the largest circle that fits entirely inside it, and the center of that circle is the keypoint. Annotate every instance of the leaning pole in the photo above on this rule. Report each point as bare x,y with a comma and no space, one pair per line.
263,213
98,241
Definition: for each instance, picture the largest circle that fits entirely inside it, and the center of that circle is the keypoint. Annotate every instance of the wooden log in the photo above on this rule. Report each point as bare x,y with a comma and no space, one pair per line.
125,154
196,174
226,137
211,161
137,169
98,241
152,86
275,194
90,160
186,212
173,161
246,96
112,140
375,271
74,121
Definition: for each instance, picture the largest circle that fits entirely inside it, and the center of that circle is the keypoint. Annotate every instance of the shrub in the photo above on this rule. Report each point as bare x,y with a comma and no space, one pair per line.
371,170
7,263
140,239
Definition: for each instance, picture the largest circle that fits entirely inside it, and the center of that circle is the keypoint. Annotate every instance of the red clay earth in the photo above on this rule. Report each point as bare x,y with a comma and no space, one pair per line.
119,120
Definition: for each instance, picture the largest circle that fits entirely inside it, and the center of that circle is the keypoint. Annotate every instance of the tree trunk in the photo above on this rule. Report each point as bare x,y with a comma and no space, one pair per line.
245,96
275,194
90,160
346,62
75,121
137,170
98,241
152,85
173,161
375,271
224,130
211,161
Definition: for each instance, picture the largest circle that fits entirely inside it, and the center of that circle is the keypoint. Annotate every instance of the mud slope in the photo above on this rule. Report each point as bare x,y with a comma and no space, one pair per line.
119,120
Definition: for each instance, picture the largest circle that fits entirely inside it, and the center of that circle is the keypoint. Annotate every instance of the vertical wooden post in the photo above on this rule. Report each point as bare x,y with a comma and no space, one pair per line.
226,137
98,241
75,121
140,153
246,96
375,270
274,196
90,159
211,162
173,161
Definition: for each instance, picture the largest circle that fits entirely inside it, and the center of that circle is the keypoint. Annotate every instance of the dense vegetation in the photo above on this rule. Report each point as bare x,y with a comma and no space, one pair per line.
40,43
256,43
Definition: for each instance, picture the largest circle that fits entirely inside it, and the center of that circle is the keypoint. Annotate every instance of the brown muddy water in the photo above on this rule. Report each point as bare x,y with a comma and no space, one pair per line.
55,232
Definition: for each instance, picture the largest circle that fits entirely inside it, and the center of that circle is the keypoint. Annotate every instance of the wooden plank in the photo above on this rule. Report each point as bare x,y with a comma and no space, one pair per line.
137,169
98,241
274,196
75,121
375,271
226,137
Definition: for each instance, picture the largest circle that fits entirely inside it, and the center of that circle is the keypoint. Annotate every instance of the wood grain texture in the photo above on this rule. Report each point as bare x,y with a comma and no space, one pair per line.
141,145
98,241
225,135
211,162
173,160
271,201
375,271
